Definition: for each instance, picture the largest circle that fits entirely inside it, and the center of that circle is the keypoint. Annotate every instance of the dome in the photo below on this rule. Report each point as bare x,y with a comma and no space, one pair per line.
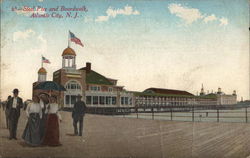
68,51
42,70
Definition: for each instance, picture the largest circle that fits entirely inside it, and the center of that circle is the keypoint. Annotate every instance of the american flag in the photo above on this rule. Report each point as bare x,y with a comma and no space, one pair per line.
73,38
45,60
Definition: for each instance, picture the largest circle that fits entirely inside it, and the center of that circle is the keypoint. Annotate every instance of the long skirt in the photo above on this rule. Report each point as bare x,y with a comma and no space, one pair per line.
51,137
43,125
31,134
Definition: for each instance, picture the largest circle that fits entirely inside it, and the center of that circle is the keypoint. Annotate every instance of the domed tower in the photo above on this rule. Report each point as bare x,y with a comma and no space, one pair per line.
202,90
42,73
234,93
219,91
69,59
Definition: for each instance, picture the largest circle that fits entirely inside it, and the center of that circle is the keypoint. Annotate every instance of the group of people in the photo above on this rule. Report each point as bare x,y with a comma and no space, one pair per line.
43,119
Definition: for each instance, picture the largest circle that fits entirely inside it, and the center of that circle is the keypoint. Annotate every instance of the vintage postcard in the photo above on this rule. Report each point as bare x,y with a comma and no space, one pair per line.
124,79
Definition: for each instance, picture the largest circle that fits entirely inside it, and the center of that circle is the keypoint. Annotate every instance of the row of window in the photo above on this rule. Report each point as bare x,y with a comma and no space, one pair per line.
126,101
95,88
108,100
95,100
163,99
73,85
98,88
71,99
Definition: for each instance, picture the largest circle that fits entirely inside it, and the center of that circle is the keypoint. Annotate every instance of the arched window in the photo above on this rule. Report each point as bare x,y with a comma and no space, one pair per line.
73,85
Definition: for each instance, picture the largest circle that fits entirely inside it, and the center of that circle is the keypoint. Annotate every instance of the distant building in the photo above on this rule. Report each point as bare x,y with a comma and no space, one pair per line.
163,97
218,98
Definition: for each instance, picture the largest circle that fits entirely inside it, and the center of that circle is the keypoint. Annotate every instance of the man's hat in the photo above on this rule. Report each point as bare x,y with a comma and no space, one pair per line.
15,90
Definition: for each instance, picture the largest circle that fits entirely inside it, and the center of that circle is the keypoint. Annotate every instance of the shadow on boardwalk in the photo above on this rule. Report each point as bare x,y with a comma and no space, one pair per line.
107,136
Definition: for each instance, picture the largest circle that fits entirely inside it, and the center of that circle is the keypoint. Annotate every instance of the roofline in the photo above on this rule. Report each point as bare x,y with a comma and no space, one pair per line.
166,89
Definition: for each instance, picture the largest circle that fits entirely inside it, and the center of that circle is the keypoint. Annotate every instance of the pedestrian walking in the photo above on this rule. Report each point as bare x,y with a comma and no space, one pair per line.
31,134
78,115
13,106
51,137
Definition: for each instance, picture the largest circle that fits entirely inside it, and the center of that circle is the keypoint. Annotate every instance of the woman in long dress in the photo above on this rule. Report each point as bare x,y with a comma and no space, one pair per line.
51,137
31,134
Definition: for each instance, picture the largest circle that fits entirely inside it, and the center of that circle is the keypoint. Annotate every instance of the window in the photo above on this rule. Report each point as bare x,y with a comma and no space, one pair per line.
73,99
95,88
108,100
130,101
122,100
95,100
110,89
88,100
73,85
126,101
113,100
102,100
67,99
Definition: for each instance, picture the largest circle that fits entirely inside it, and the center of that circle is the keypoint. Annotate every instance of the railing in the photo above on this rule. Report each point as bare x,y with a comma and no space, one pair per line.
211,113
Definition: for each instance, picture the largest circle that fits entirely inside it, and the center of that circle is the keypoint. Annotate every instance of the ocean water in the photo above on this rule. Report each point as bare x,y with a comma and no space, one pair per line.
236,115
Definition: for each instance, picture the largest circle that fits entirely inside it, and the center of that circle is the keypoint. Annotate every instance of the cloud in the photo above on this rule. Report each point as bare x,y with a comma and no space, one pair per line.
40,37
102,18
210,18
223,21
189,15
24,12
40,0
22,35
112,13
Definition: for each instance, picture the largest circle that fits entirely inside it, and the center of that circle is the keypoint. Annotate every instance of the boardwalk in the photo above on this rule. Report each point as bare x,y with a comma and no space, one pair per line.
112,137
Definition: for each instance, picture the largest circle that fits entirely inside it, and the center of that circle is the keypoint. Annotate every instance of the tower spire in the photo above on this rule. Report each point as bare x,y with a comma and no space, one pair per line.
69,39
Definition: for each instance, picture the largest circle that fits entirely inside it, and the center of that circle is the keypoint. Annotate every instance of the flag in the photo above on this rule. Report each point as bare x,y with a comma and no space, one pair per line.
44,60
73,38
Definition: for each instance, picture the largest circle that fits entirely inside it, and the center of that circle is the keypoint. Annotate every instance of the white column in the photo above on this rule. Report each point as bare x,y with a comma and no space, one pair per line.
74,62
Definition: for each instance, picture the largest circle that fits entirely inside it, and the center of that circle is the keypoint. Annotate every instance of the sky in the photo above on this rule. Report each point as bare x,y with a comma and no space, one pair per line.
173,44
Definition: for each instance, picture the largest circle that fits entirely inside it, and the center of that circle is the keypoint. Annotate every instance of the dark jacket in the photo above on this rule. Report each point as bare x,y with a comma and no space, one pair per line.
18,107
79,109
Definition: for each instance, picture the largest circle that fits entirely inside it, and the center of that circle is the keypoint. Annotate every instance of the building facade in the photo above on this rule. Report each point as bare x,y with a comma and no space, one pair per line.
96,89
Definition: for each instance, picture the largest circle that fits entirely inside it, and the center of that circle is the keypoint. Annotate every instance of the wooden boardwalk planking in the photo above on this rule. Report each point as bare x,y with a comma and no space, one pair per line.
107,136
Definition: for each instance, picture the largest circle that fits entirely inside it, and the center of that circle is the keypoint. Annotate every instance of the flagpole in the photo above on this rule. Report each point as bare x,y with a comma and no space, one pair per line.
68,40
42,61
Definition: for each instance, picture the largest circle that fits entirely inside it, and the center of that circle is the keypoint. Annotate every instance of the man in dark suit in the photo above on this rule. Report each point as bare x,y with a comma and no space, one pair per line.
14,105
78,114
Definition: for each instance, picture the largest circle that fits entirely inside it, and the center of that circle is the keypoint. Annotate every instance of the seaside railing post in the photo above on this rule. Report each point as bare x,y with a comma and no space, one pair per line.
193,113
171,112
218,116
152,110
136,109
246,115
123,112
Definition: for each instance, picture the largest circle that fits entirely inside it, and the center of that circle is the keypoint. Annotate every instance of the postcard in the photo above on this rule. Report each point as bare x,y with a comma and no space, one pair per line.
124,79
